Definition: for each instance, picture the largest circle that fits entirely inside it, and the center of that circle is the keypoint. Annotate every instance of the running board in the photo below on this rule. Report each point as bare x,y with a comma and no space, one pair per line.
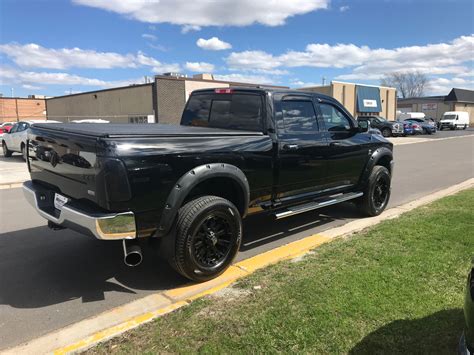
291,211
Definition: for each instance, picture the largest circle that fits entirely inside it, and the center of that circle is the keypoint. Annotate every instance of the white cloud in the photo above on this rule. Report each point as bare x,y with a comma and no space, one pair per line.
190,28
149,37
366,63
344,8
35,56
244,78
10,75
31,87
213,44
296,83
442,86
209,13
201,67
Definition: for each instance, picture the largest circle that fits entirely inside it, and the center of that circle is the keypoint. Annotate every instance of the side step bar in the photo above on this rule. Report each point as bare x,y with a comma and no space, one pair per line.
291,211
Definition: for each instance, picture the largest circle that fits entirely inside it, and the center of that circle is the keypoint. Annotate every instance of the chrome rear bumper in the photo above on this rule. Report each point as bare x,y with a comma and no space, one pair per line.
106,226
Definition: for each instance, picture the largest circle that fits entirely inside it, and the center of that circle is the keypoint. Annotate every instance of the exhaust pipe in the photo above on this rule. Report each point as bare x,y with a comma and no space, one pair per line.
132,253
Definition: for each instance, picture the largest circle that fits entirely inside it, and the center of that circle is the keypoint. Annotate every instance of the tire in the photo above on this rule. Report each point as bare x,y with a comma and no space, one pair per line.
374,201
23,152
6,152
465,126
453,128
386,132
199,253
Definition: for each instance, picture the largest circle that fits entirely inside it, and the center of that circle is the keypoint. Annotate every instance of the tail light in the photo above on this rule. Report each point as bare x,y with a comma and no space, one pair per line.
2,130
223,91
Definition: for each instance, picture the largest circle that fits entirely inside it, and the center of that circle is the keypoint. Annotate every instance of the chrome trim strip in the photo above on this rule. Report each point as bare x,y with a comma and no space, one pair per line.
315,205
113,226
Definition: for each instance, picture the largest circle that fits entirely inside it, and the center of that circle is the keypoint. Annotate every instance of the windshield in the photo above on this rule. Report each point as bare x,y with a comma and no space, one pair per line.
449,117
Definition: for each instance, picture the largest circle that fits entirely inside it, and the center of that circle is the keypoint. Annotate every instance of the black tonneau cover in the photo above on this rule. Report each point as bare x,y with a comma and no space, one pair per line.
111,130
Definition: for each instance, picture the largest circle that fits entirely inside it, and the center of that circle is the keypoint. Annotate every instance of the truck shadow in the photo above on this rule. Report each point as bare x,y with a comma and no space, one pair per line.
437,333
40,267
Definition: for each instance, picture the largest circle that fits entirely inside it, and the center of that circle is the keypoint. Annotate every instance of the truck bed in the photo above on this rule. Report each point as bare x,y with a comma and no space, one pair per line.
122,130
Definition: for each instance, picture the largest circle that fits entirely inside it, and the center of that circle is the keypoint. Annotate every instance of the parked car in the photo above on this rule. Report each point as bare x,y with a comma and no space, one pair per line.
407,128
427,126
15,139
466,345
5,128
237,152
387,128
454,120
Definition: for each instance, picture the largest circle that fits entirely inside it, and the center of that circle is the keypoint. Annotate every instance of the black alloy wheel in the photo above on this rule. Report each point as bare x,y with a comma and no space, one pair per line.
212,241
381,192
376,192
207,238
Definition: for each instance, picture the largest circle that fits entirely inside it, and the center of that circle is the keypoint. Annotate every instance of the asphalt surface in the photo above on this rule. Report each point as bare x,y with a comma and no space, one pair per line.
49,280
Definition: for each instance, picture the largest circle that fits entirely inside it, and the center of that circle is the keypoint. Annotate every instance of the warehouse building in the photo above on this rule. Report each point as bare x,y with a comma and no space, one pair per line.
14,109
361,99
161,101
436,106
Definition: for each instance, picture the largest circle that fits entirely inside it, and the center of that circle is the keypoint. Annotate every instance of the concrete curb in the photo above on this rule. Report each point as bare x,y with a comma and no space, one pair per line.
11,185
89,332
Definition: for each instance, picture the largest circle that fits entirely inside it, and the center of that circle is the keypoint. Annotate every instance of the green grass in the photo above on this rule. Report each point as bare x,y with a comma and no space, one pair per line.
396,288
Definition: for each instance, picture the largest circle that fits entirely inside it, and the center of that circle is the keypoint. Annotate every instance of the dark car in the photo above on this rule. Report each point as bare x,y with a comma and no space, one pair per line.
237,151
466,345
387,128
427,126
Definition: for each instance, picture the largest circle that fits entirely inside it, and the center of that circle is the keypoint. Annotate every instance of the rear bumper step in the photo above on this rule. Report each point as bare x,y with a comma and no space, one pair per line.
105,226
291,211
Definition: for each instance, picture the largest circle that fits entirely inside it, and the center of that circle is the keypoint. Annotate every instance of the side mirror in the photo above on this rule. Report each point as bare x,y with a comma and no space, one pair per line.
363,126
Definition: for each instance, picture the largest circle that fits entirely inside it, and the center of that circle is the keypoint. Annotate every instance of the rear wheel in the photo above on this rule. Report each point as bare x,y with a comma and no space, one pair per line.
6,152
208,237
23,152
465,126
377,193
386,132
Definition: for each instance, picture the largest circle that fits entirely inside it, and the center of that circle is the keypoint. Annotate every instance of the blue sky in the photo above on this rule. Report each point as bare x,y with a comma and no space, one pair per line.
54,47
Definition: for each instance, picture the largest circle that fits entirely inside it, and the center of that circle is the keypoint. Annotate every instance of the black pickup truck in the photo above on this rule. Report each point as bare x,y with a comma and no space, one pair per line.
237,152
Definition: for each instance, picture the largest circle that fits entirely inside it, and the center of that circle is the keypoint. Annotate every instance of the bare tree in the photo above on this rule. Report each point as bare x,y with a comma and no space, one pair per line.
408,84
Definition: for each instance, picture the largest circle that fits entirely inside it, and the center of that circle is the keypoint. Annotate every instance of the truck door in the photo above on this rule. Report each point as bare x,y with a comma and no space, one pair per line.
347,154
301,147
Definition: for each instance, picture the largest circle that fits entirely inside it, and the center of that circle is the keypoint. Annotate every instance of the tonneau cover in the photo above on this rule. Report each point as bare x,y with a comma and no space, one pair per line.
111,130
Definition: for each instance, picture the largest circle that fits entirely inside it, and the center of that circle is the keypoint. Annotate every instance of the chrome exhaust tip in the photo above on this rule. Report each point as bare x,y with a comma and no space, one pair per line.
132,253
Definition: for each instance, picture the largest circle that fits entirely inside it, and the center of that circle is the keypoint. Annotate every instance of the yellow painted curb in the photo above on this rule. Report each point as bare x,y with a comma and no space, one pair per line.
183,295
118,329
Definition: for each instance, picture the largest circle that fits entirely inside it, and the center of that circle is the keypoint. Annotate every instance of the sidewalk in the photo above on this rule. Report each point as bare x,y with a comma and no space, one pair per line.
13,170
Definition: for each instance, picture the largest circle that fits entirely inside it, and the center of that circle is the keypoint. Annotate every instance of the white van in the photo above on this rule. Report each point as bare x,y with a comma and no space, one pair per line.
454,119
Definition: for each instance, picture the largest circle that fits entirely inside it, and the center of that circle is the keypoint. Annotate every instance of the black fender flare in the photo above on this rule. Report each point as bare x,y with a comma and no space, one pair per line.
191,179
375,157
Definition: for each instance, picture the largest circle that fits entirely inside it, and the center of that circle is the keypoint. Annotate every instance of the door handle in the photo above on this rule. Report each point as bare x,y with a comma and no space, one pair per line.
335,144
290,146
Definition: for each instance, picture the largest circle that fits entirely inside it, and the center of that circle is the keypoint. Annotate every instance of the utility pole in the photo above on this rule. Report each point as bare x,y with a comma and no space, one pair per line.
324,81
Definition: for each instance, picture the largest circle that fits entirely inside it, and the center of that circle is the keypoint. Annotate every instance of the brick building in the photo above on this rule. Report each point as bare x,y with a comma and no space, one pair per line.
161,101
13,109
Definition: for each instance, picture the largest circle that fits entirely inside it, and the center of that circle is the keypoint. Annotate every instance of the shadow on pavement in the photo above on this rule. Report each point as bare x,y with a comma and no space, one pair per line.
437,333
40,267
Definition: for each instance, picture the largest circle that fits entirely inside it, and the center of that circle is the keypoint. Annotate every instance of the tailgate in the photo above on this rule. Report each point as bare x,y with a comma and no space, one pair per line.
67,163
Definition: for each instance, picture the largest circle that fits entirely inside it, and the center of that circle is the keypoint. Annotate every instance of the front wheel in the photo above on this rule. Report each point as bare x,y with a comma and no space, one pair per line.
208,237
465,126
23,152
386,132
6,152
377,193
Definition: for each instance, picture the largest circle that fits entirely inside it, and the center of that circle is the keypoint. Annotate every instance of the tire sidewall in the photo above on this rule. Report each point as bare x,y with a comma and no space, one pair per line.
386,132
187,260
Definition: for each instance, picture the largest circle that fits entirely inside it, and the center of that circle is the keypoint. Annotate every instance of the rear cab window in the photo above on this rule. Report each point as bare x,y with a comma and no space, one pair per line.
229,110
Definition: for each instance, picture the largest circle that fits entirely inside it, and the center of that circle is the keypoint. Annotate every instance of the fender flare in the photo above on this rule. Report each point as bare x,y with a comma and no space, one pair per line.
378,154
191,179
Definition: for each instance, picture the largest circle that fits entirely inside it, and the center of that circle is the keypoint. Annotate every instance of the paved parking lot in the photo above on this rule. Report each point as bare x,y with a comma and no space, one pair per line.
52,279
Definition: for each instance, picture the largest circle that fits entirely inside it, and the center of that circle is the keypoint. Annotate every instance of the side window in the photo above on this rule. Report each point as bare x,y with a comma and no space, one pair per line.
299,116
334,119
14,128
